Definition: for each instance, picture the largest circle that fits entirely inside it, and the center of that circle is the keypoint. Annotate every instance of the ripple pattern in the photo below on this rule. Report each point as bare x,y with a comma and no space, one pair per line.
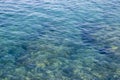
59,39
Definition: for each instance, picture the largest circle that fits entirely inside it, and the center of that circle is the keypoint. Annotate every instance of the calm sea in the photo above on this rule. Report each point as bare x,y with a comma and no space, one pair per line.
59,39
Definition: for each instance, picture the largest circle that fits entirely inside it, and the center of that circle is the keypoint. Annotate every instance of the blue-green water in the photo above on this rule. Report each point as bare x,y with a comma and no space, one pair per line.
59,39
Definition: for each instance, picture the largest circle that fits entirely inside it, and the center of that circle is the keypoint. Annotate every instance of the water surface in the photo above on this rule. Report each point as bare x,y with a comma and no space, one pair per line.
59,39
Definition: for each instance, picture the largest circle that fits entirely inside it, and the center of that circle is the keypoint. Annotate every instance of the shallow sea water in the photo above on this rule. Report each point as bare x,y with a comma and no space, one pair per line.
59,39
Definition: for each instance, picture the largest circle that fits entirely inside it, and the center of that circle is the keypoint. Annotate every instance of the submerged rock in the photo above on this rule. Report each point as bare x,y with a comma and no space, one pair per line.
104,40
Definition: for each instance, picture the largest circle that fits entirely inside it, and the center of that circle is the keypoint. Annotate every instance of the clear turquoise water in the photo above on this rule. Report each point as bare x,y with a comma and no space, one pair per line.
59,39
